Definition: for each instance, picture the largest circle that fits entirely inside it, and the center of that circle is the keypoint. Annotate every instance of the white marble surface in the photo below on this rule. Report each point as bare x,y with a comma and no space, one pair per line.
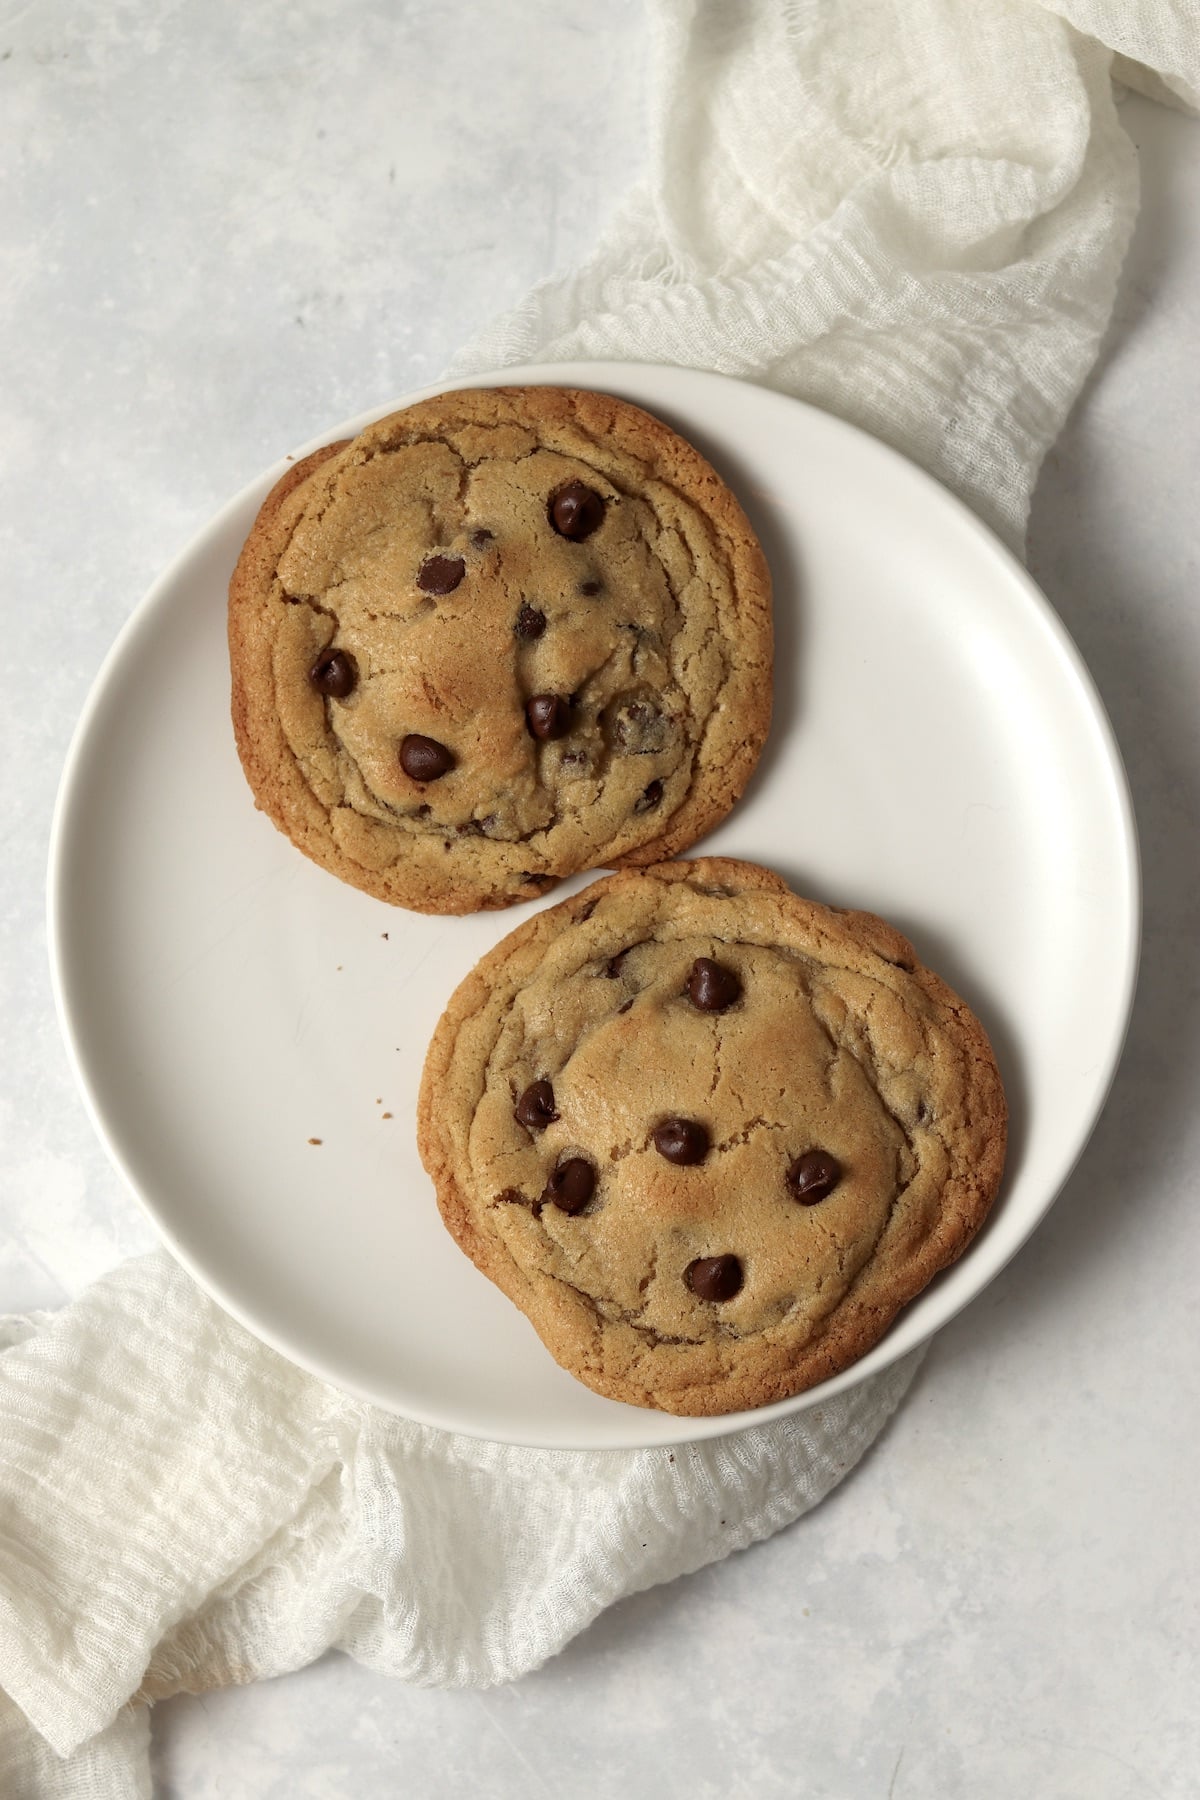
223,228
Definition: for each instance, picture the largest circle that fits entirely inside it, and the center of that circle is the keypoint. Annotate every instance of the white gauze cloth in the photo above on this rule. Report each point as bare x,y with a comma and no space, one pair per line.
912,212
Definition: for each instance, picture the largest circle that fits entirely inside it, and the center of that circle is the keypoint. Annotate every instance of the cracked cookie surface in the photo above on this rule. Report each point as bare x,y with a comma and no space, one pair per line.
708,1135
502,636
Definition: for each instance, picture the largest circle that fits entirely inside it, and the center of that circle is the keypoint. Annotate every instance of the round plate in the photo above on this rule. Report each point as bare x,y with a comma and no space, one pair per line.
249,1032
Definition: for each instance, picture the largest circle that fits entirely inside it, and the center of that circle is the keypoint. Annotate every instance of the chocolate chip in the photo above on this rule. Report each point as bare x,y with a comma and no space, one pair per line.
440,574
423,758
535,1109
714,1277
576,511
482,538
335,673
813,1176
681,1141
711,987
530,622
548,716
590,588
649,798
639,728
571,1186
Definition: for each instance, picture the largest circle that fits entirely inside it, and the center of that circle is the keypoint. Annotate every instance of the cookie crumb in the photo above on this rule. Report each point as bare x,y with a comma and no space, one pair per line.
316,1140
385,1115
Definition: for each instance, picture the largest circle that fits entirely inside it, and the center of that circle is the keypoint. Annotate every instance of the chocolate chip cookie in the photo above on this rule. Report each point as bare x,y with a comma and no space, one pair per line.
709,1136
504,635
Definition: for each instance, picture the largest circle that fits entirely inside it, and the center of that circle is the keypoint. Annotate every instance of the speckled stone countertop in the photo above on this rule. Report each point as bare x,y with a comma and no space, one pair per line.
224,229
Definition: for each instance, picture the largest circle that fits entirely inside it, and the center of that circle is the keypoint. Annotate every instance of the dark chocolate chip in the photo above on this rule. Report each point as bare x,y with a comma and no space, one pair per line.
576,510
590,588
482,538
440,574
714,1277
571,1186
548,716
423,758
649,798
681,1141
530,622
711,987
625,1008
813,1176
535,1109
335,673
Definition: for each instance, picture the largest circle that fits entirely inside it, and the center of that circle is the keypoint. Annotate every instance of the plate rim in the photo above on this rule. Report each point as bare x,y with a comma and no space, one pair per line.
622,378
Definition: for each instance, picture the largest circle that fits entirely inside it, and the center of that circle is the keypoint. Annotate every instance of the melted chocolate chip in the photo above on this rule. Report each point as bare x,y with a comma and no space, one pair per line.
639,728
649,798
535,1109
571,1186
530,622
711,987
423,758
334,673
440,574
590,588
681,1141
482,538
714,1277
813,1176
548,716
576,511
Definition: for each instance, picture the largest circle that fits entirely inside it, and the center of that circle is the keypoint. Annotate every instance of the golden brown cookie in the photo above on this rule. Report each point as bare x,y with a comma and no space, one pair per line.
502,636
709,1136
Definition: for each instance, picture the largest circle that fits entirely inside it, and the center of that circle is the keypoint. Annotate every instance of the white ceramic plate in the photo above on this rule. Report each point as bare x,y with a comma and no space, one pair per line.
938,755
